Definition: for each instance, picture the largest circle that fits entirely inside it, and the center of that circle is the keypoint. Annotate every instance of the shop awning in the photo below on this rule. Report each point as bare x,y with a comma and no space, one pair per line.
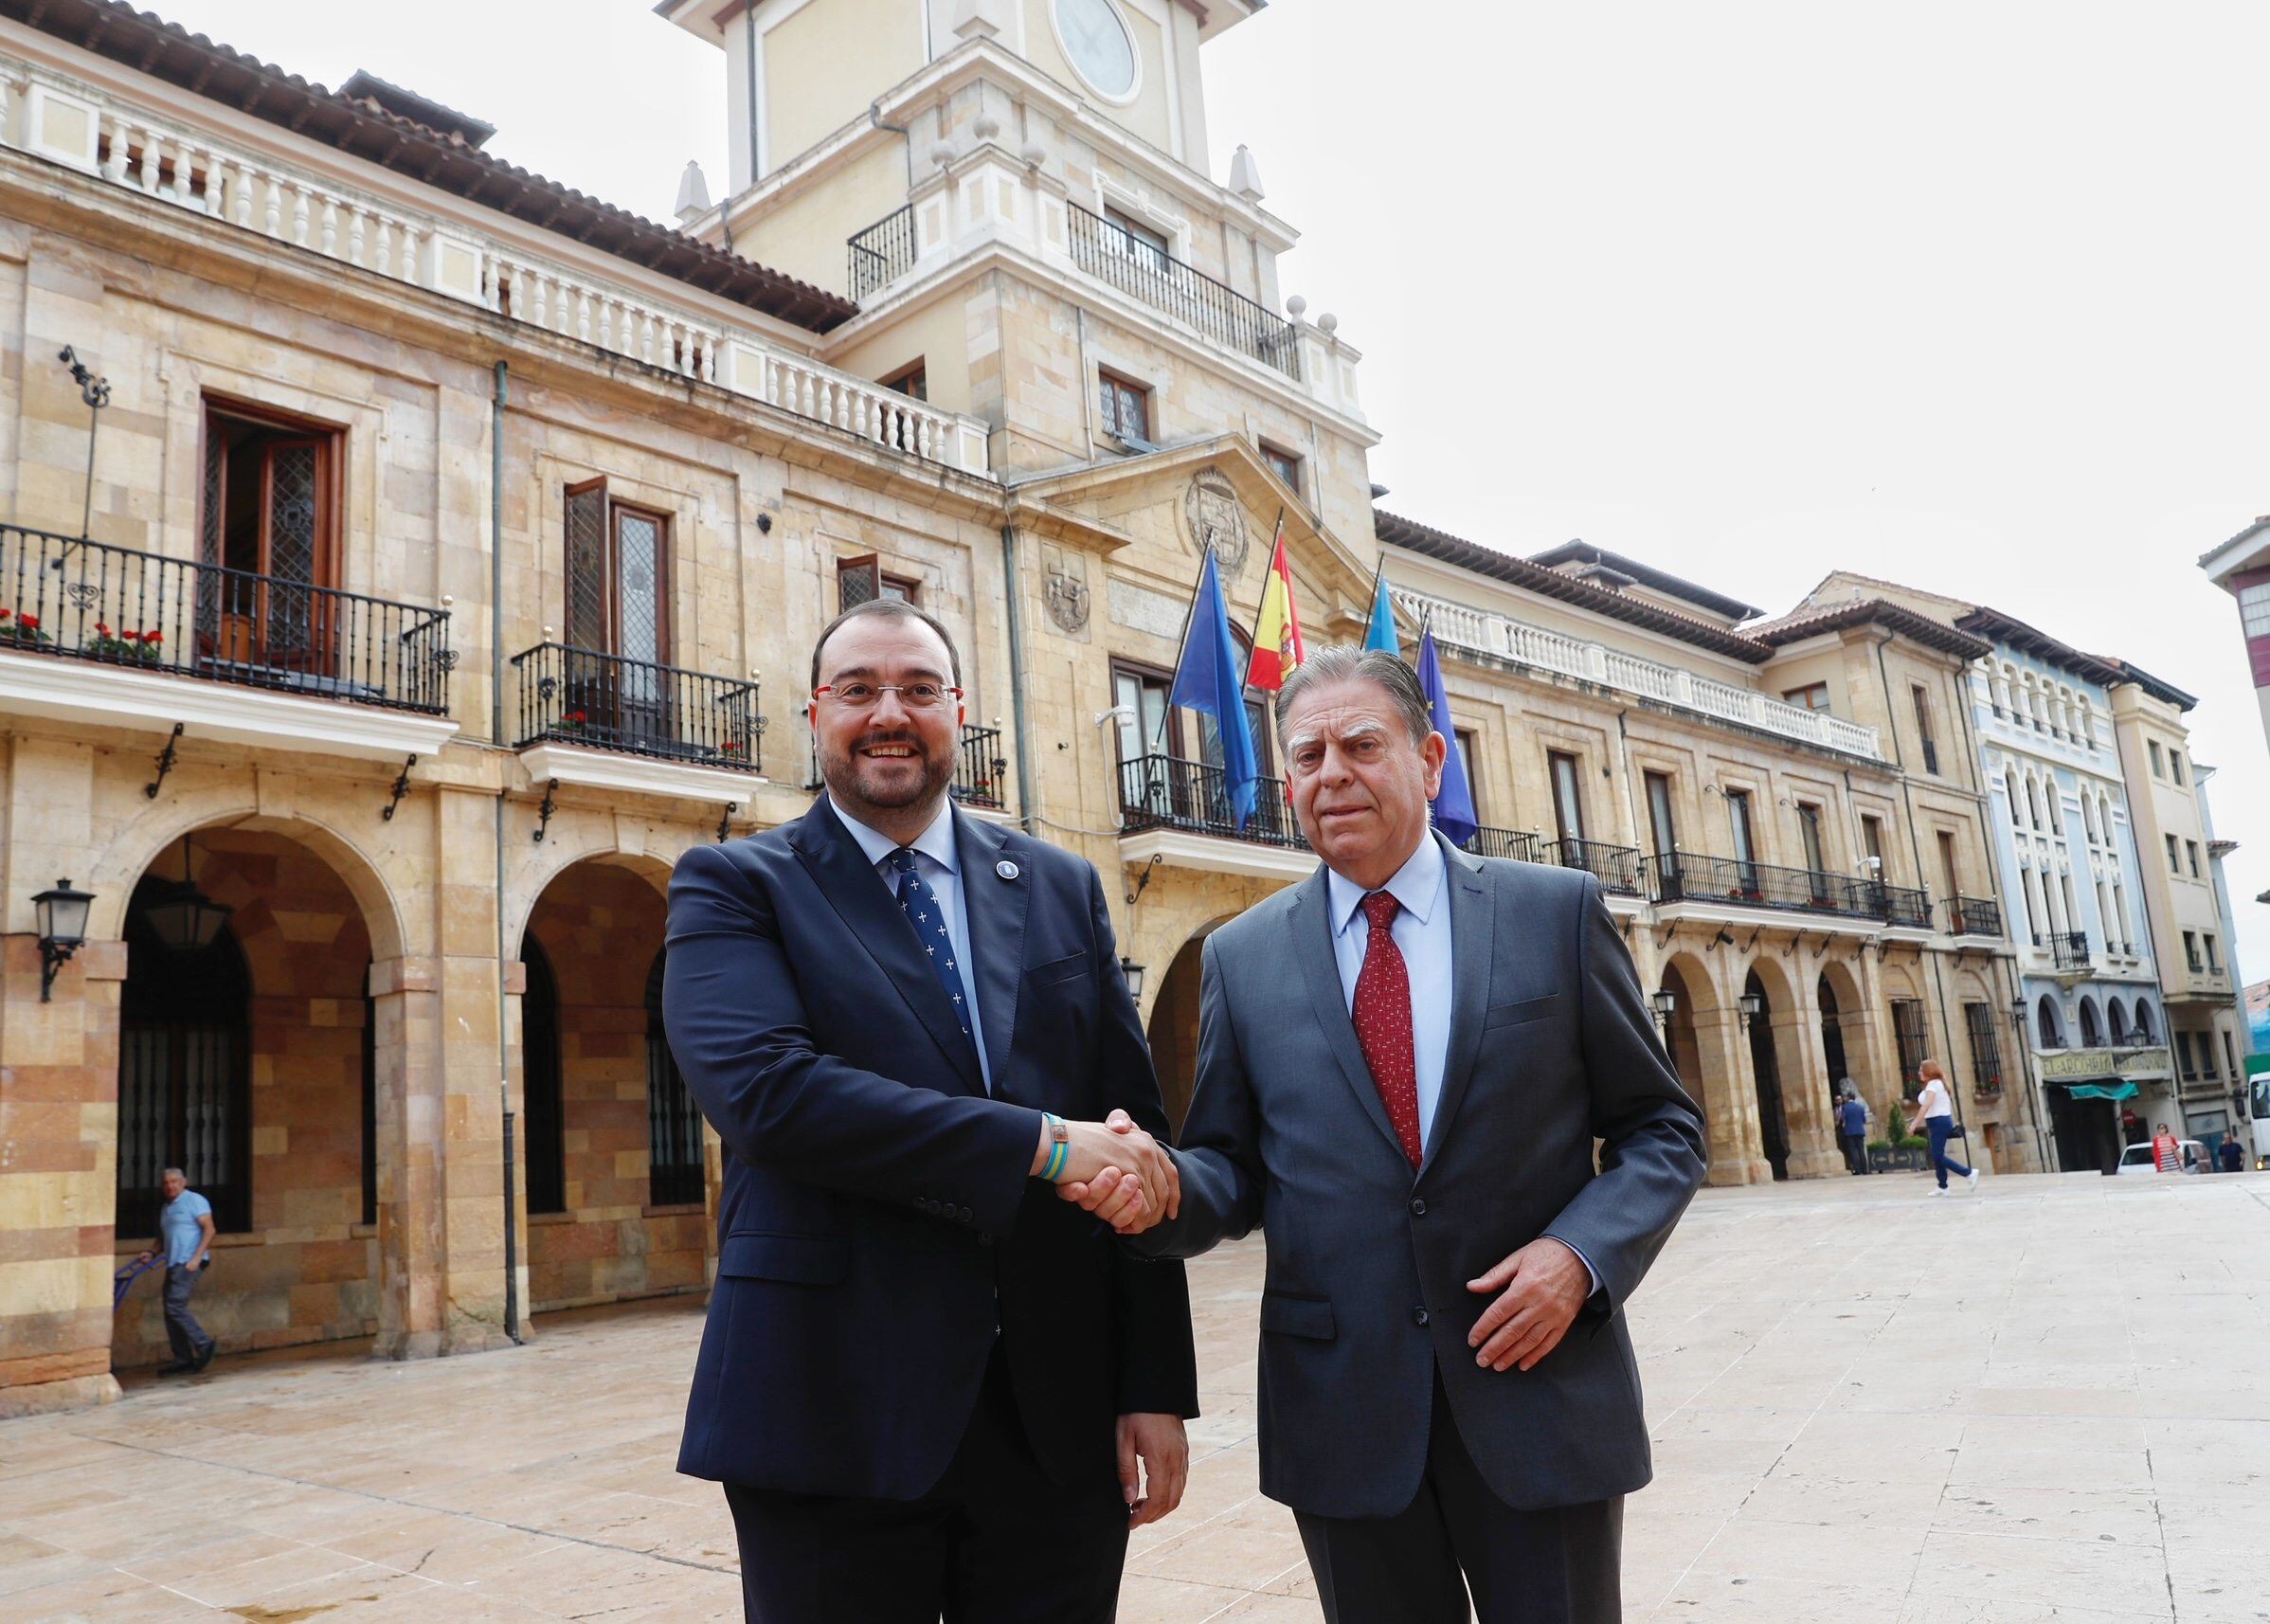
2109,1089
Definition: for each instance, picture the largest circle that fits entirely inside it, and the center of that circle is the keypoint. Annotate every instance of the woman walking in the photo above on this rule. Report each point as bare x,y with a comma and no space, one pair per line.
1935,1111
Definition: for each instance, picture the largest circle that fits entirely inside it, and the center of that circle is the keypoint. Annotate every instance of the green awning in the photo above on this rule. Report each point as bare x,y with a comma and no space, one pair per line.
2115,1090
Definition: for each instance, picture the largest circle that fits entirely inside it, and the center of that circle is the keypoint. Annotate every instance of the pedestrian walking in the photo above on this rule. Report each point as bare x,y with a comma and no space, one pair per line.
1935,1111
2233,1153
184,1228
2166,1151
1852,1122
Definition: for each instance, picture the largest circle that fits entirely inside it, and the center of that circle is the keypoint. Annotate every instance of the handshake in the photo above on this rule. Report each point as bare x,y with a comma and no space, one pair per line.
1115,1170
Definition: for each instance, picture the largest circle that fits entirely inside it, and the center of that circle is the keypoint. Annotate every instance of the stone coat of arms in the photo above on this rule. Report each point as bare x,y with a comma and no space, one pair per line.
1216,518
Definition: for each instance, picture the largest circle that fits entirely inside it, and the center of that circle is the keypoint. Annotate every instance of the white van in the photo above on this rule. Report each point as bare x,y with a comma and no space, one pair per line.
2137,1158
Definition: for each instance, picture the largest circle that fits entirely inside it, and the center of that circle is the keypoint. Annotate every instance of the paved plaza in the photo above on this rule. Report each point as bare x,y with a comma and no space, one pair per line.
2049,1401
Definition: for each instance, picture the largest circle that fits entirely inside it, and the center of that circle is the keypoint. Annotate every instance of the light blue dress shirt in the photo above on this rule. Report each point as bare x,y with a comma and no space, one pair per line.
937,856
1422,930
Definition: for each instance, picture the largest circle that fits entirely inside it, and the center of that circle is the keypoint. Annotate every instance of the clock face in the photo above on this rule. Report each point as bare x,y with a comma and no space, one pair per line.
1098,44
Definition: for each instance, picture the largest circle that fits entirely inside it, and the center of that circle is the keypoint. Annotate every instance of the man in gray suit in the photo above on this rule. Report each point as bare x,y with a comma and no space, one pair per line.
1404,1064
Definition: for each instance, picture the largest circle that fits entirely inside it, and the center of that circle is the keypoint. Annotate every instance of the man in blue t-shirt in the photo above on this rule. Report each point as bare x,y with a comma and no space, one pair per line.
185,1227
1852,1127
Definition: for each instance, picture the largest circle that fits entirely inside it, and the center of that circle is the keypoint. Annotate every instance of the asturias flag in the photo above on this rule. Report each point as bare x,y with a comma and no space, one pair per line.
1206,679
1453,805
1381,634
1277,645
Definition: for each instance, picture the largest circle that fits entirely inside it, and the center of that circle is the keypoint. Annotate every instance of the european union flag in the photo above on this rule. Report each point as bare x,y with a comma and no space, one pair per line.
1453,805
1210,677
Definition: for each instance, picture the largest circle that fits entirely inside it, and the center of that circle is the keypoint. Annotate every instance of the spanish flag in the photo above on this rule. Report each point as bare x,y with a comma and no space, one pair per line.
1277,645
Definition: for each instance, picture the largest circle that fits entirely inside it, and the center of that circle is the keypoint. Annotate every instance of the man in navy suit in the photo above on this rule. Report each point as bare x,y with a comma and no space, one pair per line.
1434,1082
926,1382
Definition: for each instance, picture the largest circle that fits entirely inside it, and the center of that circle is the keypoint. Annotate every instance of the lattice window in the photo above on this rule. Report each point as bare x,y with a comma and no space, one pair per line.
1914,1043
672,1124
1986,1046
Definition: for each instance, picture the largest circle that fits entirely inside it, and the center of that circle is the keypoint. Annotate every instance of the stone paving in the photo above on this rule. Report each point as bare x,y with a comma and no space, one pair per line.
2047,1401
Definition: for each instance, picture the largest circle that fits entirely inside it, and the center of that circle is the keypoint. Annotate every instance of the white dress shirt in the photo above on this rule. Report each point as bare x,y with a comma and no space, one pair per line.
1422,930
938,859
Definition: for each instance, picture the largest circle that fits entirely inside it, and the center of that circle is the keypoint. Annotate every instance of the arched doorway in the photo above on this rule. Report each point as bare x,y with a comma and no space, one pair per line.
1765,1073
246,1058
613,1145
1173,1031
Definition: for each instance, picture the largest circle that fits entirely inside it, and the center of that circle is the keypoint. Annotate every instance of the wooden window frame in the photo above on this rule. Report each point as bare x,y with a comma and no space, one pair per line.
1663,819
1272,454
1574,760
915,373
1111,389
1143,671
610,608
1926,735
1801,696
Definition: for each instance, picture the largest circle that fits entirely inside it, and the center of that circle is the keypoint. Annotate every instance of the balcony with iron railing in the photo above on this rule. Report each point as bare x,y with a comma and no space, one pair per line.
604,701
468,255
1689,877
147,612
882,253
1462,627
1514,845
1166,792
1972,916
2067,950
1112,254
981,770
1618,868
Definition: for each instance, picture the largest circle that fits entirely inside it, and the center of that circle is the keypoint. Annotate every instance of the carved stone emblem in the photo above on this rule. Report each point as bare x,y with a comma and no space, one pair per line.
1065,589
1212,511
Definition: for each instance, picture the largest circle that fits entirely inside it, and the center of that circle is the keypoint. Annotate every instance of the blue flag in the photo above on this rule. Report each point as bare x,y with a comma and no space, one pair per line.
1210,677
1454,808
1381,634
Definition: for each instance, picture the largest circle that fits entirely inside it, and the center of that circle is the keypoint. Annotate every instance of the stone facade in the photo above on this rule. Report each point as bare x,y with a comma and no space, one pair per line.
409,843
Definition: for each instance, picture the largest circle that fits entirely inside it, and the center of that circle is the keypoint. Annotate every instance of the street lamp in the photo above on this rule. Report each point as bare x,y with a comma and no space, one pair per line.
1666,1005
1749,1005
1133,971
183,917
62,923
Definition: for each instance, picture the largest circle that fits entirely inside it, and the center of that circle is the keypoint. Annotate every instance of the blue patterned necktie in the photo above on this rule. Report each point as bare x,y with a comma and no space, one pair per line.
919,903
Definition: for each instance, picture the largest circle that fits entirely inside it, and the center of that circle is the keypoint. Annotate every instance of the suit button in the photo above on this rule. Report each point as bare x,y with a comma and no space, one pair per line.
965,1216
1418,1208
1418,1317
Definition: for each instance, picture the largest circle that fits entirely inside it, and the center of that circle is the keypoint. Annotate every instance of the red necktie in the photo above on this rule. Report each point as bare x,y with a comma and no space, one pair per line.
1382,1018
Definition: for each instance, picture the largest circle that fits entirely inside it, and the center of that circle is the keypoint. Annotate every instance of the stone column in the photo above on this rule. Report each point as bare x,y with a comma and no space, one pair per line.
1737,1153
1804,1068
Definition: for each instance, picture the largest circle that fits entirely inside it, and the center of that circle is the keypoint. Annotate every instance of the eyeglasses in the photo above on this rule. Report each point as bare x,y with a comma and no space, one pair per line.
866,696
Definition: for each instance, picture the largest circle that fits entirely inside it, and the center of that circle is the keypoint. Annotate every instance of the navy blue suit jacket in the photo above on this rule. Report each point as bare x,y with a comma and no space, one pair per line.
878,1219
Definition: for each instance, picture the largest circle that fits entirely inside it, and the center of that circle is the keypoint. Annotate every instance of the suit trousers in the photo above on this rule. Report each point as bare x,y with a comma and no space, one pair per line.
1561,1565
995,1541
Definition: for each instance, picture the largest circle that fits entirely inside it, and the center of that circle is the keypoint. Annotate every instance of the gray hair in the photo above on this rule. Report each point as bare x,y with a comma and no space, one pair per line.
176,1172
1345,662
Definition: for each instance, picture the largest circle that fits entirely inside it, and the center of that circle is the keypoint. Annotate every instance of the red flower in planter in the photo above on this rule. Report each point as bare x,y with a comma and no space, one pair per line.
101,630
154,636
31,622
8,614
575,716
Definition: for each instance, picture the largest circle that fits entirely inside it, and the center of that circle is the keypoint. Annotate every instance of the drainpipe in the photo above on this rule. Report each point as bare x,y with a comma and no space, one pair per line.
1028,814
497,732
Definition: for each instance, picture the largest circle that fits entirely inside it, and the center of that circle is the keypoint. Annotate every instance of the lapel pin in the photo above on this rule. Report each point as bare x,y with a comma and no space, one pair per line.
1006,869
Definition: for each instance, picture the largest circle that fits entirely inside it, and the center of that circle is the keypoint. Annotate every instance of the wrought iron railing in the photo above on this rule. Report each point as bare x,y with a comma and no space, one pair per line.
882,253
1163,791
1899,905
1618,868
2069,949
1972,916
1113,254
89,600
981,771
1689,877
581,697
1517,845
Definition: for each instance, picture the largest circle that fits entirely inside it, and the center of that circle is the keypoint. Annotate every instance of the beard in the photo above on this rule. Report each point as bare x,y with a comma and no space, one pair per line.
890,783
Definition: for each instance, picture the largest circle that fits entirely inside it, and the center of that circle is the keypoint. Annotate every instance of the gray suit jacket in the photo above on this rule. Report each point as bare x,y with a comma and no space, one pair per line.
1552,1045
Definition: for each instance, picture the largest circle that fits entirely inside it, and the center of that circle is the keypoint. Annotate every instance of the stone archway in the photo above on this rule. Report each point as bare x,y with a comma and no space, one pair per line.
1704,1040
1173,1029
610,1209
255,1062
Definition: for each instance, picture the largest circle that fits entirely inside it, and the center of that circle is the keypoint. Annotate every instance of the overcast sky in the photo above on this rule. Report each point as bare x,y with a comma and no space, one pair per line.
1964,295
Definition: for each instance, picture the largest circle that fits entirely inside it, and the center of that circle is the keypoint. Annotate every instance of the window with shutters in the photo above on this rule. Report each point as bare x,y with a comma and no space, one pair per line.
269,519
674,1158
1915,1046
616,627
1986,1048
542,1109
1661,823
1568,794
1924,733
183,1075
